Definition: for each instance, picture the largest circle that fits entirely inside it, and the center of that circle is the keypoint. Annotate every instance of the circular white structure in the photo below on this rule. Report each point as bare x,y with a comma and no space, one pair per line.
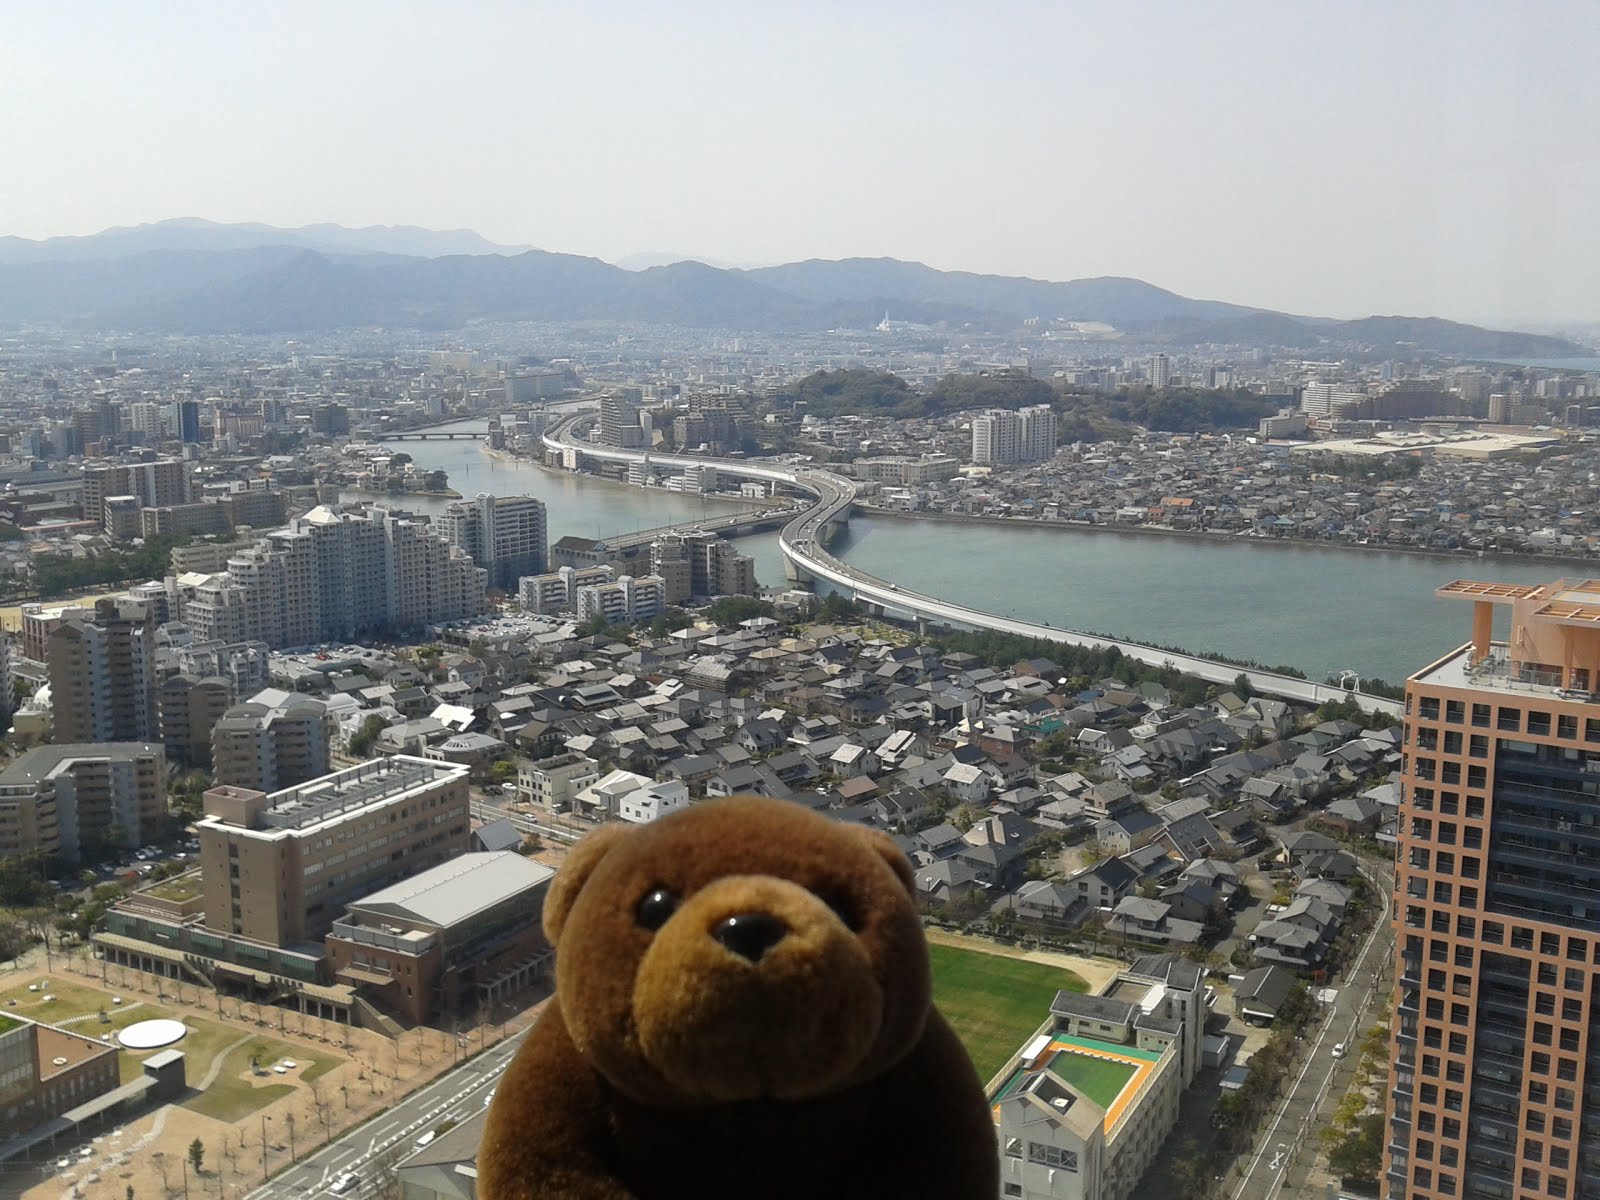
147,1035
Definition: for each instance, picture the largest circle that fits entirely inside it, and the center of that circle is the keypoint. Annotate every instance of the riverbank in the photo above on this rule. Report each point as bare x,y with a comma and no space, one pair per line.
745,502
1220,538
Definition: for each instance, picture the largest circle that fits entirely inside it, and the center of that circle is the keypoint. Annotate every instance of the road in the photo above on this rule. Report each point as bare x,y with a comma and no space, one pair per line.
801,544
454,1096
1285,1157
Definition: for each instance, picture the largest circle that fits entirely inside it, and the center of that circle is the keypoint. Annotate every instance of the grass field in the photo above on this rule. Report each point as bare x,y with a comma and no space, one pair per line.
1100,1079
994,1003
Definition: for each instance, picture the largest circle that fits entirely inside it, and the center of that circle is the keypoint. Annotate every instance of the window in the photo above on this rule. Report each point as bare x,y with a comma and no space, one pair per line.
1508,718
1567,728
1013,1147
1480,718
1455,711
1428,708
1539,723
1052,1156
1478,747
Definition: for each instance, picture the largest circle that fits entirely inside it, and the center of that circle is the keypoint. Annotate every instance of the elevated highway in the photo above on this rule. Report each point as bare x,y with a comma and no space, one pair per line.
803,542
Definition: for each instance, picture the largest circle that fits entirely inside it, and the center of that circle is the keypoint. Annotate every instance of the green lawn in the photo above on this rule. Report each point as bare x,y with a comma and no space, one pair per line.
231,1096
1100,1079
994,1003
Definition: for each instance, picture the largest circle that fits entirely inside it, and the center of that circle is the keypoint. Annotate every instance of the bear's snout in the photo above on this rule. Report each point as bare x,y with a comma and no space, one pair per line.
750,935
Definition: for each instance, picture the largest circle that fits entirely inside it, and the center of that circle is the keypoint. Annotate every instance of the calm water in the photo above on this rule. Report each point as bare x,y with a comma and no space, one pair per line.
574,504
1321,610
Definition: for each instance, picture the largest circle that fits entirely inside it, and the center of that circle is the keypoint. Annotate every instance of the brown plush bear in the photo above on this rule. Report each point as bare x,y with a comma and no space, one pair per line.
742,1010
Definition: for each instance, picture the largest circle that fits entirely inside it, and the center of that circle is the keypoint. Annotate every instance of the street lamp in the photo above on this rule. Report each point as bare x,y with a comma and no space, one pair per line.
183,1162
264,1120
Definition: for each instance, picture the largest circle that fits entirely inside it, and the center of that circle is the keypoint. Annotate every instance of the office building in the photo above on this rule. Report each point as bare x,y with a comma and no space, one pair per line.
77,800
188,422
46,1072
627,601
330,420
274,740
1495,1038
157,484
1160,371
100,671
505,535
1082,1108
278,869
334,575
460,937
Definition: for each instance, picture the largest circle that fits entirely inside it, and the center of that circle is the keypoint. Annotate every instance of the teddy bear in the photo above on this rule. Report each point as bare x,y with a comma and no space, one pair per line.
743,1009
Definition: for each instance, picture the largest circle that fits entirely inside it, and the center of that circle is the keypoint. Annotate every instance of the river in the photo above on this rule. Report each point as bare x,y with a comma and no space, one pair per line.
1319,609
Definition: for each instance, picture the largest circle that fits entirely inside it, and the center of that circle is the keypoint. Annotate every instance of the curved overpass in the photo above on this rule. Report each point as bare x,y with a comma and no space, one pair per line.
801,544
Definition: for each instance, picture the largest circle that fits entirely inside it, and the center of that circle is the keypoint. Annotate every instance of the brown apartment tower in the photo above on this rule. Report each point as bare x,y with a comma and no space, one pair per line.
1495,1084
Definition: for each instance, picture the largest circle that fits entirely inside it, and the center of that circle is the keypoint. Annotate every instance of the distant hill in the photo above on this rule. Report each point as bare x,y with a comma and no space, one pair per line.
194,233
1105,299
191,276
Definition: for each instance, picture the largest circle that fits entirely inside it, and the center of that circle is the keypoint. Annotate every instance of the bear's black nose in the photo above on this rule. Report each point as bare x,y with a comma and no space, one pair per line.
750,935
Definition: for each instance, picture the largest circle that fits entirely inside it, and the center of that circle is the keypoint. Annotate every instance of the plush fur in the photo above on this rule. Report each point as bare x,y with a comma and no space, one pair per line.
703,1059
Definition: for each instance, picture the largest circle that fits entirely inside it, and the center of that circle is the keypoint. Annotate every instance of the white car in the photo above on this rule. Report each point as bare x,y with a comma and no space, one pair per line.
425,1139
1338,1051
346,1182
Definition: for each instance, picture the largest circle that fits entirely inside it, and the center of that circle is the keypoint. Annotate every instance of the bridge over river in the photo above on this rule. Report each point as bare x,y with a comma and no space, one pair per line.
803,542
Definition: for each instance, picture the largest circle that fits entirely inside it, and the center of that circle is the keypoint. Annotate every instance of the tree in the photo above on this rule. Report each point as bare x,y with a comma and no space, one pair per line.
197,1154
362,740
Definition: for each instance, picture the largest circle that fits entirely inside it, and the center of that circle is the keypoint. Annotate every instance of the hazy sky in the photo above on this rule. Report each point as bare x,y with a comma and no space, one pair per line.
1339,159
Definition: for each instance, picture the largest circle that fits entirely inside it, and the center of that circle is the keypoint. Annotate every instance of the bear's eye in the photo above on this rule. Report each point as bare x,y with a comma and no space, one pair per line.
843,907
655,909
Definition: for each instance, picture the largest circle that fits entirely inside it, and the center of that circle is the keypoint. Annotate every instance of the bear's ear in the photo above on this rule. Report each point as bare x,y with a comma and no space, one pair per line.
883,845
581,861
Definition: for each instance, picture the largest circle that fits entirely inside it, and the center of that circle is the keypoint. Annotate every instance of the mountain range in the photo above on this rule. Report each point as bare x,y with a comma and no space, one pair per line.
201,277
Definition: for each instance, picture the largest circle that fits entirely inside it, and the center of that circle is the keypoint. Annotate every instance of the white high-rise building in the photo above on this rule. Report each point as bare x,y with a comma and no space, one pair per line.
505,535
628,601
333,575
1001,436
994,437
1160,371
1036,434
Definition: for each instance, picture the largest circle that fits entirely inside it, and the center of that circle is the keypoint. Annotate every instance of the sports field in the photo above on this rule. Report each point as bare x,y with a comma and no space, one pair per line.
995,1003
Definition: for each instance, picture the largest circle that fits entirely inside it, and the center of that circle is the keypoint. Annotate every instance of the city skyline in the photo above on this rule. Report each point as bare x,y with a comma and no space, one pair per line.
1312,160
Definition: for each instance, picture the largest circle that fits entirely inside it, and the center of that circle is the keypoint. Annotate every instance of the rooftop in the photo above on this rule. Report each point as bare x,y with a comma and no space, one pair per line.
40,762
456,890
343,793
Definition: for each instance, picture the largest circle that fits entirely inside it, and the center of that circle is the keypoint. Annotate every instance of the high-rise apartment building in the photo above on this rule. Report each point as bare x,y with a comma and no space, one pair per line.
715,567
188,707
274,740
619,422
101,677
557,591
505,535
994,437
1036,433
1001,436
69,799
278,868
334,575
1495,1077
1160,371
188,423
627,601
